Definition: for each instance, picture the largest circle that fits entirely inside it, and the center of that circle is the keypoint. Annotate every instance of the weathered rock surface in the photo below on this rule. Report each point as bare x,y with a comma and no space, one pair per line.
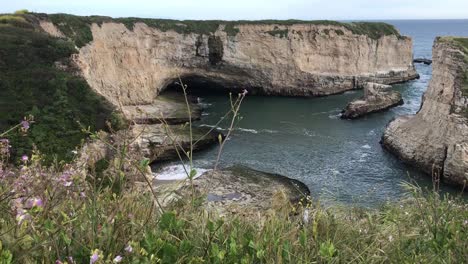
133,66
157,142
377,97
239,190
436,138
169,108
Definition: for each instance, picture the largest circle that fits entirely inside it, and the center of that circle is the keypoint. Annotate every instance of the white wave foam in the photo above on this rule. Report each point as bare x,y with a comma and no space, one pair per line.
253,131
269,131
211,126
176,173
366,146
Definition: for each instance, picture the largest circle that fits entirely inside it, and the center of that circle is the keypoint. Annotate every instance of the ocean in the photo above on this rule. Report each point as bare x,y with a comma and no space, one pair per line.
341,161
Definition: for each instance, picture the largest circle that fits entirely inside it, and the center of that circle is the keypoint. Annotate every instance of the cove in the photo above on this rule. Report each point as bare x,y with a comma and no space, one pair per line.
341,161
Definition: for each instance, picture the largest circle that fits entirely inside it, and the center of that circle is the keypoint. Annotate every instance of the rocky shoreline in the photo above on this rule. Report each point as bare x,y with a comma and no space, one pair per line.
237,190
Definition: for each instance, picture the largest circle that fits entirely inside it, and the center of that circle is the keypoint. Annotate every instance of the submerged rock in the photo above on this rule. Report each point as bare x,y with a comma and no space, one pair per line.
436,138
421,60
243,190
377,97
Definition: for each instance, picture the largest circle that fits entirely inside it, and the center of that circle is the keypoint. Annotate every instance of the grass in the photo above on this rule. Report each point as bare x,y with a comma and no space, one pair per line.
88,217
30,84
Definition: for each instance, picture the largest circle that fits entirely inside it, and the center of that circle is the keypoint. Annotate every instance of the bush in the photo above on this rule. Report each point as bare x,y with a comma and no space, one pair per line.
30,84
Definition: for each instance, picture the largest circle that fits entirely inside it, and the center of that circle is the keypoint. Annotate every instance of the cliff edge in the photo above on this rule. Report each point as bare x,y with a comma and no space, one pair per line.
436,138
131,60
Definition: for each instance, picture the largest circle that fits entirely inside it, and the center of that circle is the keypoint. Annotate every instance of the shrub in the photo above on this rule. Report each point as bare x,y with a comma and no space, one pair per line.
62,103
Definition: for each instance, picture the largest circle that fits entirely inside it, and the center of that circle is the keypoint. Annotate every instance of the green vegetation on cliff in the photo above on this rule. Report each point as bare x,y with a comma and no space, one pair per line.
77,28
31,84
463,43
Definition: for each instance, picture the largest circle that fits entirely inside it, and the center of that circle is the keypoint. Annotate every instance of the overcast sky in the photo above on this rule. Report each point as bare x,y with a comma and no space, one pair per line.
250,9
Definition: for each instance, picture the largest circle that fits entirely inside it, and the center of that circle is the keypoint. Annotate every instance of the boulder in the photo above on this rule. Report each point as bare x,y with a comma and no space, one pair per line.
239,190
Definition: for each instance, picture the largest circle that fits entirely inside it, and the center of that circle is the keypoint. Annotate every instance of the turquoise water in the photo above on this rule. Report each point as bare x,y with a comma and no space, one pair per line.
304,138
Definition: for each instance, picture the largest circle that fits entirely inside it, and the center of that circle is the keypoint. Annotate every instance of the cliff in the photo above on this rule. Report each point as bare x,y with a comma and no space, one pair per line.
132,60
436,138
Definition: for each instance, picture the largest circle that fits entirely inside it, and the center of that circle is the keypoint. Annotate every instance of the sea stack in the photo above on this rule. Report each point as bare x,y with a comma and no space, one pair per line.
377,97
436,138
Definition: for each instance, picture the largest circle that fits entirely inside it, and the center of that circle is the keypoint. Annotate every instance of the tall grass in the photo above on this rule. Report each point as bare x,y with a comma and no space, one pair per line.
71,213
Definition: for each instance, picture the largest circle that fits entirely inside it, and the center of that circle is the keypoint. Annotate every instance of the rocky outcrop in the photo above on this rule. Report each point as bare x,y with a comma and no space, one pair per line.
158,142
169,108
133,64
436,138
238,190
422,60
377,97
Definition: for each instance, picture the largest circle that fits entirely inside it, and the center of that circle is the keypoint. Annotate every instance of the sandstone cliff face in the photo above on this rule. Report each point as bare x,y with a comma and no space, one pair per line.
133,66
436,138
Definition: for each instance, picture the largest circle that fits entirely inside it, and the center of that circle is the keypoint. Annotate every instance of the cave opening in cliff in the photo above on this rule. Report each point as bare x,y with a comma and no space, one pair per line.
202,86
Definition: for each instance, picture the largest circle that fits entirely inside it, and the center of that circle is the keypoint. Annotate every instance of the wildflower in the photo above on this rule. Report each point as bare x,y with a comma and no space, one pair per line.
21,216
74,152
24,125
24,158
129,248
37,202
58,262
390,238
94,257
245,92
117,259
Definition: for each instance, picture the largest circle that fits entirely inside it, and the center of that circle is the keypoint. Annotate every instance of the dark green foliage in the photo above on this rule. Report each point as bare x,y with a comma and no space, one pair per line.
61,103
231,29
463,42
339,32
374,30
78,28
282,33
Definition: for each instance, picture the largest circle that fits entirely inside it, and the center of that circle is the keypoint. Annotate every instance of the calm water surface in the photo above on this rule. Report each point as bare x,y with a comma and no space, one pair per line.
304,138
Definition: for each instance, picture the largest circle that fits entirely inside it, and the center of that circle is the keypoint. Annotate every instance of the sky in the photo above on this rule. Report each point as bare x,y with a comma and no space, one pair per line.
251,9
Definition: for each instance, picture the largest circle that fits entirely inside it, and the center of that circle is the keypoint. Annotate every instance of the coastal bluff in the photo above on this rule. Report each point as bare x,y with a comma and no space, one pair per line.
131,60
436,138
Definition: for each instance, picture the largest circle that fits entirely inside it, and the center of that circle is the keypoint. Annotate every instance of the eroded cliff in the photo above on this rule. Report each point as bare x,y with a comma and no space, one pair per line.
436,138
133,62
